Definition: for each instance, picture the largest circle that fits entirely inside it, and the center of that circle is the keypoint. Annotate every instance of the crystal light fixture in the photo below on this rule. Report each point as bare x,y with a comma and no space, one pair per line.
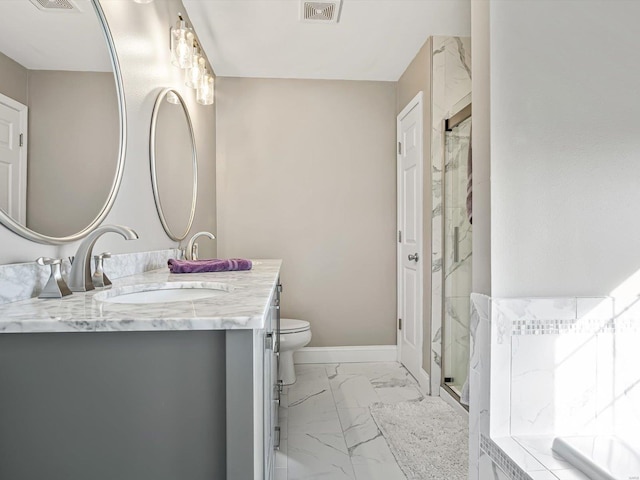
204,94
197,71
181,45
186,53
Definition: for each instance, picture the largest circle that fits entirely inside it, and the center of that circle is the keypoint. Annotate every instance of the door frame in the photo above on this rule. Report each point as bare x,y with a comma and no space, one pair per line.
23,111
416,101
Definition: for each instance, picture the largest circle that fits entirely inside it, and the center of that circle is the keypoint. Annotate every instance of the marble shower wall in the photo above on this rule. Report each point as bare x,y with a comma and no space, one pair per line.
543,367
479,378
573,364
450,89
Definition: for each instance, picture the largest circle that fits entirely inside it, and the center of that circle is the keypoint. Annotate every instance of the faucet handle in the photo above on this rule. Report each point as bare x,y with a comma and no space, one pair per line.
44,261
100,278
55,286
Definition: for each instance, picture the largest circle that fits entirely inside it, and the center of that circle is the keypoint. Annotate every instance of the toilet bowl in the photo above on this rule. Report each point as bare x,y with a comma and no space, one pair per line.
294,334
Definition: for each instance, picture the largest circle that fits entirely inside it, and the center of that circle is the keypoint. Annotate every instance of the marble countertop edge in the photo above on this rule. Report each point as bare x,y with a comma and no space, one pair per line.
243,306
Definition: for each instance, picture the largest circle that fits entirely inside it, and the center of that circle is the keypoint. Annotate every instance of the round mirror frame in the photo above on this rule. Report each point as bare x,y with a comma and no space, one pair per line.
152,156
34,236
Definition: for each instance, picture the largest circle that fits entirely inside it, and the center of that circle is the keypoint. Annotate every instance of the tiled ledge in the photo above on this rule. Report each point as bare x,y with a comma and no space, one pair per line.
21,281
573,315
529,458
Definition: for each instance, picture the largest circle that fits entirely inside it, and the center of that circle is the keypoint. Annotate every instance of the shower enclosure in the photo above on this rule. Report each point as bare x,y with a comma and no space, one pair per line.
456,269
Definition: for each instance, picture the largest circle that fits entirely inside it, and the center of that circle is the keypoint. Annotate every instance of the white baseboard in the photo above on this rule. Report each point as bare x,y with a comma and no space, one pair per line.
424,382
374,353
446,396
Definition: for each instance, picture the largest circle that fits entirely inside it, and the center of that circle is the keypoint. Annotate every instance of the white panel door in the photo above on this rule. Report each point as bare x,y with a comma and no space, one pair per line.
13,159
410,274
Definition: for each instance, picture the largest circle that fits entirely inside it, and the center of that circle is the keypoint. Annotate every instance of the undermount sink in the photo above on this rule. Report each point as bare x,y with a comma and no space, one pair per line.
163,292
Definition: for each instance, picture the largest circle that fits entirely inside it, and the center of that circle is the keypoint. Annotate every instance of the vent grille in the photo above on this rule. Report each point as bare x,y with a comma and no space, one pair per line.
55,5
321,12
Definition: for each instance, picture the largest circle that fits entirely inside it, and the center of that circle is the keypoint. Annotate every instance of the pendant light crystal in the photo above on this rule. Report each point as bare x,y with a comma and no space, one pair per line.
181,45
195,74
204,95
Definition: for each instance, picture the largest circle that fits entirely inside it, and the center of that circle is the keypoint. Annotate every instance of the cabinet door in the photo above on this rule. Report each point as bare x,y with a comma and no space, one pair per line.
269,455
271,386
275,365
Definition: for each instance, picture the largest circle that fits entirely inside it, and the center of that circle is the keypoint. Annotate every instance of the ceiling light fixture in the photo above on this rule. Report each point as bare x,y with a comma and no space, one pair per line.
198,68
187,53
181,44
205,95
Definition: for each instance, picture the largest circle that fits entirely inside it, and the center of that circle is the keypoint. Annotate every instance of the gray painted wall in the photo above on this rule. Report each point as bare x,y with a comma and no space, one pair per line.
73,148
105,406
13,79
307,174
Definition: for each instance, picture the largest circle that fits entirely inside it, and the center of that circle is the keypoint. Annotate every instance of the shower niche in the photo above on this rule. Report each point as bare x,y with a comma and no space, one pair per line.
457,251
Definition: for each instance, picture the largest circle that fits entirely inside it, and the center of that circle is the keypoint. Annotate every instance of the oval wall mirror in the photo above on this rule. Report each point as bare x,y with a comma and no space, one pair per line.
62,119
174,164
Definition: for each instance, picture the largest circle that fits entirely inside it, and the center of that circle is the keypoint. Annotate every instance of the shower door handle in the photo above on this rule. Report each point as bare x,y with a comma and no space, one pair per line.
456,244
414,257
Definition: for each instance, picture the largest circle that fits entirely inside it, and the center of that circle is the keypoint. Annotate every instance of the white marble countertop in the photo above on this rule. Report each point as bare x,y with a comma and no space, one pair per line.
241,306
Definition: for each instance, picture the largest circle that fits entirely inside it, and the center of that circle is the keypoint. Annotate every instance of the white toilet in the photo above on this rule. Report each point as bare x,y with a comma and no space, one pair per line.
294,334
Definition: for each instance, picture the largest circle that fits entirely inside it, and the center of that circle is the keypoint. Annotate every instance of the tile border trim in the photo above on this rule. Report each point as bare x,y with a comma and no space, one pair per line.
502,460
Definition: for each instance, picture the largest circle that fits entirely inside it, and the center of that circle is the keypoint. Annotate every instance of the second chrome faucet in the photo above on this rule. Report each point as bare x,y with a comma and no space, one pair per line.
191,252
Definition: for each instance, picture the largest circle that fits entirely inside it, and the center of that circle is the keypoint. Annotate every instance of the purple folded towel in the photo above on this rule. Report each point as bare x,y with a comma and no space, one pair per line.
211,265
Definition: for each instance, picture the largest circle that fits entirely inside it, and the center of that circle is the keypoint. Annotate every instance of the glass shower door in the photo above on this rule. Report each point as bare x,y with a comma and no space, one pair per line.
456,258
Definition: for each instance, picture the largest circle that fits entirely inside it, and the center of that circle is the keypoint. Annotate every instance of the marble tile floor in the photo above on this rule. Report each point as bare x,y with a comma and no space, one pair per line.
327,431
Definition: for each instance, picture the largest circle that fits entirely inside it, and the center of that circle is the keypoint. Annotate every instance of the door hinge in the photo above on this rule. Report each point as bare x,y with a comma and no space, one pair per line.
399,148
399,324
399,236
21,141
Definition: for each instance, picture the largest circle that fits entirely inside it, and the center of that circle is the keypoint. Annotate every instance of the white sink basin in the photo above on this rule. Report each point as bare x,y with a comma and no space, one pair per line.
163,292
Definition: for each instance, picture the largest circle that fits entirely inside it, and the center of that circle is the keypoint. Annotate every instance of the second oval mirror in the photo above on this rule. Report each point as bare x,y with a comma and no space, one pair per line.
174,164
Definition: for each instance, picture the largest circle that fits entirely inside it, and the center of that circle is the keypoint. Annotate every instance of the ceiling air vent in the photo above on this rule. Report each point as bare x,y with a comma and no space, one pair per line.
56,5
320,12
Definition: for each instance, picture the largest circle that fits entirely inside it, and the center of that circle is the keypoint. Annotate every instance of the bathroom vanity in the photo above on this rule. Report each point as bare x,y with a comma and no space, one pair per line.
121,383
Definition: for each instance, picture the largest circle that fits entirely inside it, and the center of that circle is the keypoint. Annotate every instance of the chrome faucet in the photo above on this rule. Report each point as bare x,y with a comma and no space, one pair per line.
191,252
80,276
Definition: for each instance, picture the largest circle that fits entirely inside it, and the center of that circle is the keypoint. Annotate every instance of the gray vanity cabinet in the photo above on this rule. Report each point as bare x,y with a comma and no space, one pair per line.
101,391
253,397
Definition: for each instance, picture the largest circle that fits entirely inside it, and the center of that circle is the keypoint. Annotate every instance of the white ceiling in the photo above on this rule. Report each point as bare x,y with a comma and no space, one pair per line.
40,40
374,40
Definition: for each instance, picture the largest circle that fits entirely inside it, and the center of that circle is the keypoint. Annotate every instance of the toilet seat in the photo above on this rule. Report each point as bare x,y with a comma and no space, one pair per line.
291,325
